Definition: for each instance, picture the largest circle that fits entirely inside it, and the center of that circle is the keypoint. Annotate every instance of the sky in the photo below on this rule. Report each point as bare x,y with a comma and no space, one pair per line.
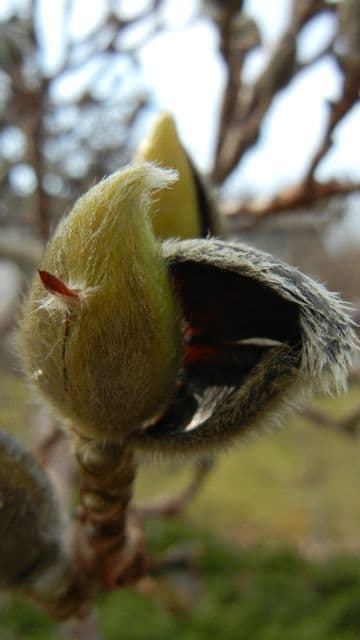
187,57
183,70
185,73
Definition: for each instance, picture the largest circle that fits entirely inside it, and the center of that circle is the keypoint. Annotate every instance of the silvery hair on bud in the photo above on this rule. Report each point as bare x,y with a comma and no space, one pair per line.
264,337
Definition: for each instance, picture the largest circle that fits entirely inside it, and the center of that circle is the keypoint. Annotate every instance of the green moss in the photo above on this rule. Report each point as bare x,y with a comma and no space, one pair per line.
254,593
258,593
20,620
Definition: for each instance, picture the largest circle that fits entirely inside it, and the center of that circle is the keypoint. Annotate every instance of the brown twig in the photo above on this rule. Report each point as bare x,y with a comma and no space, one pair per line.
36,138
8,314
354,376
338,110
43,207
326,51
252,104
349,424
234,48
304,10
105,544
51,449
301,196
175,505
253,101
52,437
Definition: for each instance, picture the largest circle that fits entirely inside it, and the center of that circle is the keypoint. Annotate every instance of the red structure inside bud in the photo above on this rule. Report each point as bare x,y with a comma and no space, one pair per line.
57,287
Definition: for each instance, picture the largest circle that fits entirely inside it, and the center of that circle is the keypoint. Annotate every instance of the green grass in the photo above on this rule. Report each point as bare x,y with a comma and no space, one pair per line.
257,593
253,593
15,405
269,500
298,485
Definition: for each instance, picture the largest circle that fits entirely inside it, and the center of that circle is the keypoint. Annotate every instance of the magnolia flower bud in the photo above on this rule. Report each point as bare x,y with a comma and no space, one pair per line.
179,346
260,336
29,520
100,331
187,210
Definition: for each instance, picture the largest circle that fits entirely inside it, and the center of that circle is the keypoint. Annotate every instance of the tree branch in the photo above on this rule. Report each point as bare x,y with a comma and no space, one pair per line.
173,506
338,111
253,101
349,424
301,196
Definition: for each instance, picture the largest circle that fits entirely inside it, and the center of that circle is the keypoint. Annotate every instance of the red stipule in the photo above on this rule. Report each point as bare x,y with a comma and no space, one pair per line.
54,285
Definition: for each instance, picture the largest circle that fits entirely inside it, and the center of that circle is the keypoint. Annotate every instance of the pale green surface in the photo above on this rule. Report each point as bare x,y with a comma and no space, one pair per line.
105,250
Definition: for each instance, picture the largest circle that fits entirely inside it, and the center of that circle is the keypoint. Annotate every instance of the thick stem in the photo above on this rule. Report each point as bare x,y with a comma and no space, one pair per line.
105,547
108,544
64,591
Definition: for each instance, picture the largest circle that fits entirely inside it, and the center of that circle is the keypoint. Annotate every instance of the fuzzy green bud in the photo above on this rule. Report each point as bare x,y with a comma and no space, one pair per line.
100,331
